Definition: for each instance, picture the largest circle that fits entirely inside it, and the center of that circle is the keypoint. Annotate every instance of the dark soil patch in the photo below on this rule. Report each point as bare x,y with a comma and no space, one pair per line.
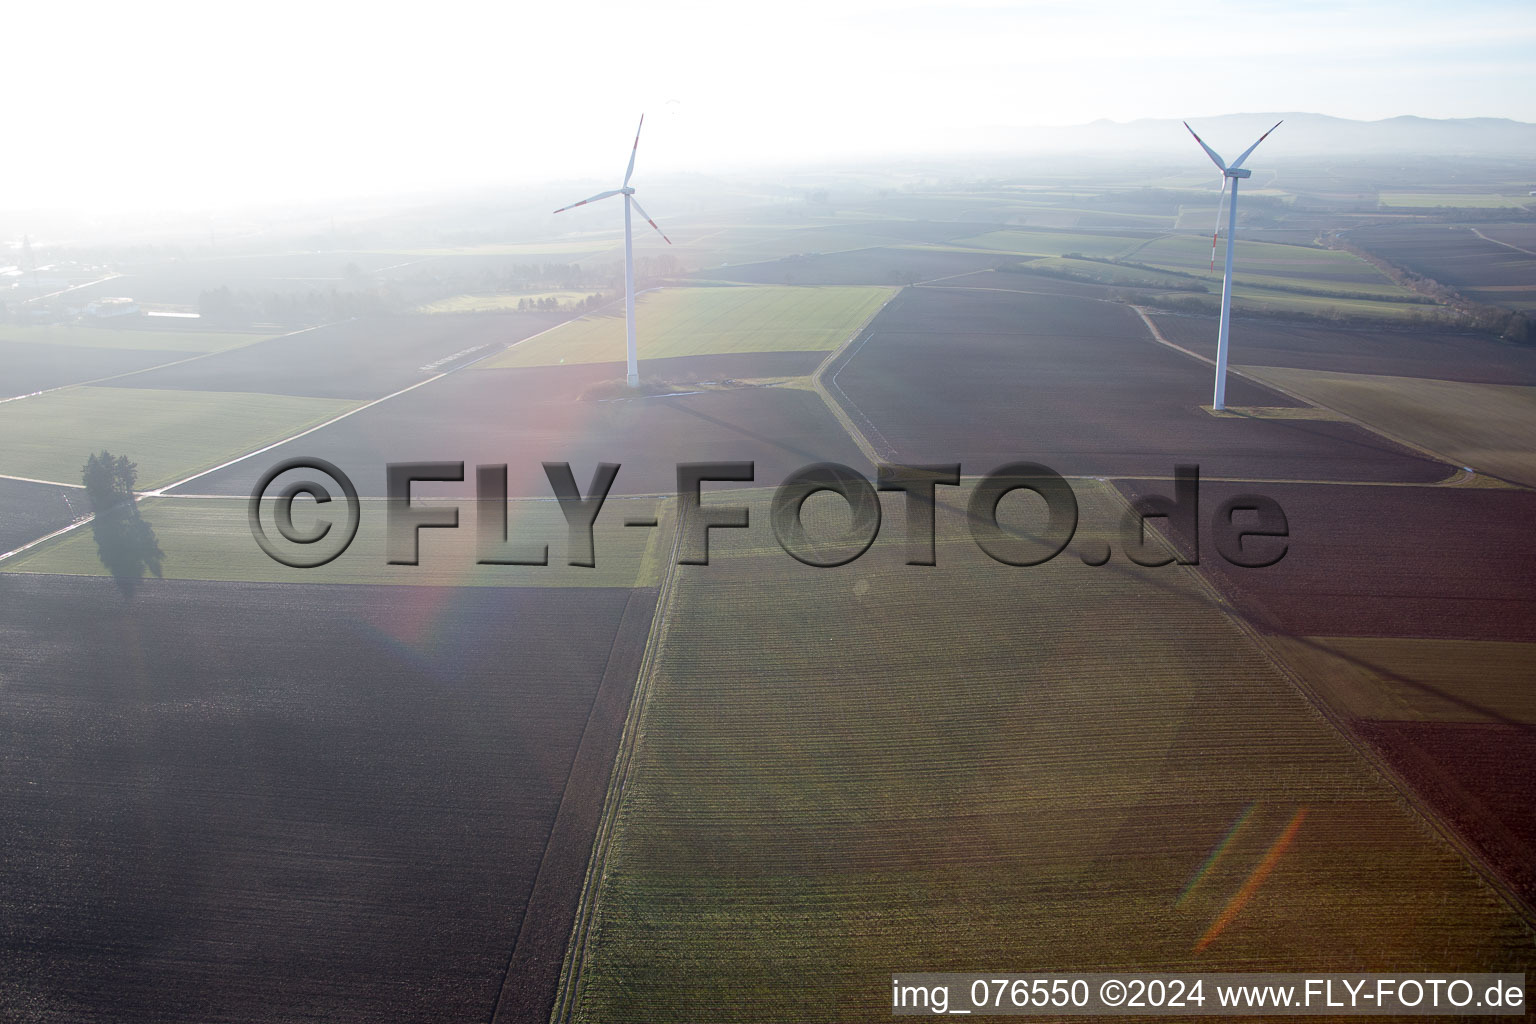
985,378
238,802
363,358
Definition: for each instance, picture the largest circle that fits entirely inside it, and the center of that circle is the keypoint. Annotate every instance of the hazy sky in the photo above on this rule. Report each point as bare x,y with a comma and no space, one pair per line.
133,105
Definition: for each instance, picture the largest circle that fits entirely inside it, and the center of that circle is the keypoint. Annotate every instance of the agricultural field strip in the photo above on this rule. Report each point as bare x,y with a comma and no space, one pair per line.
1304,291
561,1009
147,369
209,541
689,323
160,491
576,947
1495,437
1340,724
1461,471
836,410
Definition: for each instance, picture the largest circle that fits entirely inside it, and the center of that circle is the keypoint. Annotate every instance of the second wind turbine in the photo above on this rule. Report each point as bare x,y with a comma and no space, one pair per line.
1233,171
632,377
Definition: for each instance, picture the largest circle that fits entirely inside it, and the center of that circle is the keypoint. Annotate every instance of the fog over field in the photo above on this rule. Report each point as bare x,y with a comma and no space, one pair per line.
924,498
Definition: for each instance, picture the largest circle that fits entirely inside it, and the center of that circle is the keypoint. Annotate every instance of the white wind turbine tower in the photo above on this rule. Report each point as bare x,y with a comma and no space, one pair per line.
633,377
1235,172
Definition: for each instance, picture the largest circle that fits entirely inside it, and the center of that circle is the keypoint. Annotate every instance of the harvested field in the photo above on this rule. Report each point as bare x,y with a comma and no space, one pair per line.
1437,563
707,321
169,434
1474,358
29,511
938,770
358,359
1488,427
249,803
877,266
992,377
527,416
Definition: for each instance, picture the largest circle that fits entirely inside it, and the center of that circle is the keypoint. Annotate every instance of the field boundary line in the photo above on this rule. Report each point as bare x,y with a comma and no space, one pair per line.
35,480
1340,724
1507,245
569,985
159,492
1457,475
29,545
566,829
825,385
162,366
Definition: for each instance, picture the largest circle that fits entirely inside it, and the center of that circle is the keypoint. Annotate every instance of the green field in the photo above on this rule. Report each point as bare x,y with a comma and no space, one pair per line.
916,768
1053,243
170,434
1262,300
85,336
210,539
707,321
1486,426
1290,264
1108,273
1460,200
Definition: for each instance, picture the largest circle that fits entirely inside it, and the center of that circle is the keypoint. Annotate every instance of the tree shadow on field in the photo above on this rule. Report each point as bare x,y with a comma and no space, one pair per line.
125,543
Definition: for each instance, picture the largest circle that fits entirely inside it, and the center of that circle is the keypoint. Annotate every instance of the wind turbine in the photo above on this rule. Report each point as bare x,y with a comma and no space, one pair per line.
633,376
1235,171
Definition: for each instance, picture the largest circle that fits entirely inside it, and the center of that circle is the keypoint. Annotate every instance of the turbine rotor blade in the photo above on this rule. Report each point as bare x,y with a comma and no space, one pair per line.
1211,152
631,168
641,211
1217,229
1239,161
590,199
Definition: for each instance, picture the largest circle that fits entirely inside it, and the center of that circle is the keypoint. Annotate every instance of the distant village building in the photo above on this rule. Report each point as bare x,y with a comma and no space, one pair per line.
106,309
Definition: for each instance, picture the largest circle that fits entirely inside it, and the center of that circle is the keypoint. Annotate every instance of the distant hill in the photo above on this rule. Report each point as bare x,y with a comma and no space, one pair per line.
1302,134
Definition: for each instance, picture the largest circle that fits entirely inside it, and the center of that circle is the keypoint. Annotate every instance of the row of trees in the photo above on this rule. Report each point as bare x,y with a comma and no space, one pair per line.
1508,324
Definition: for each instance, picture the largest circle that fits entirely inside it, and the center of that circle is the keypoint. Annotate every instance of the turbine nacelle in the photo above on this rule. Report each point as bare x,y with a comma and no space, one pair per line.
1238,172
